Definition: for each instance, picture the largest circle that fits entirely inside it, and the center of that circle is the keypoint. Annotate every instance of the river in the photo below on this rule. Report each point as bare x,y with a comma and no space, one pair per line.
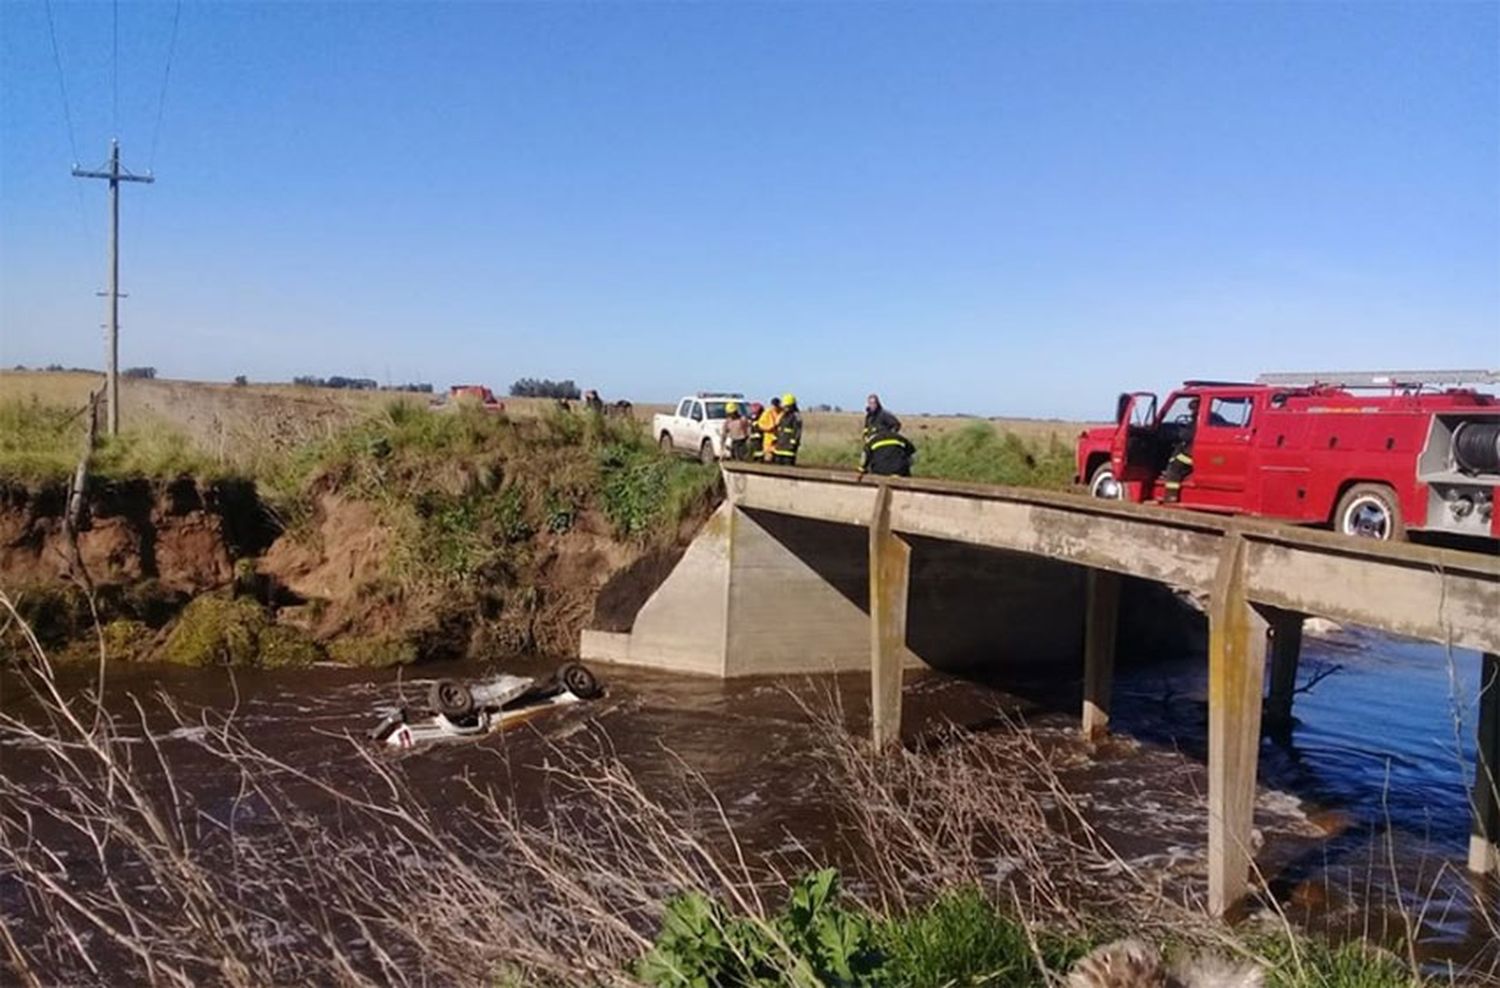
1364,808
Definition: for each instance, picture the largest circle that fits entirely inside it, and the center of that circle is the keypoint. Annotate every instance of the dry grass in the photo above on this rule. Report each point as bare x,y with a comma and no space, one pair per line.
311,876
216,414
125,875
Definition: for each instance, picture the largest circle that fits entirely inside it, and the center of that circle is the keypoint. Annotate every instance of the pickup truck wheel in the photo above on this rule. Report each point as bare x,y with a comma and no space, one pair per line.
706,452
665,442
579,680
1102,483
452,700
1370,511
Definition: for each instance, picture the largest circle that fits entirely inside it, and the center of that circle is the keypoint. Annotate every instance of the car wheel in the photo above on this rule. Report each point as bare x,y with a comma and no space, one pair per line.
450,699
665,442
1103,483
706,452
579,680
1370,511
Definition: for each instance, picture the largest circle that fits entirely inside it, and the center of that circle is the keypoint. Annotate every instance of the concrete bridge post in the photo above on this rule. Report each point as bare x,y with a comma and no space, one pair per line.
1286,651
1484,841
1101,618
890,569
1236,677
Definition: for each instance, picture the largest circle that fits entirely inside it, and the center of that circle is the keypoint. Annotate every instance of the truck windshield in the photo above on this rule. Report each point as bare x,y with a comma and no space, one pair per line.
715,409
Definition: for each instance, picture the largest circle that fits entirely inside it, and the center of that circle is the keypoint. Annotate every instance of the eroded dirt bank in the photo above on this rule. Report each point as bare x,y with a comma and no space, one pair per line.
205,573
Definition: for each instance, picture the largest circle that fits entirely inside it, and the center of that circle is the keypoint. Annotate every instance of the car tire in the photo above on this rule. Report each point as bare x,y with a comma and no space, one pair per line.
1370,511
451,699
665,442
579,680
1102,474
706,452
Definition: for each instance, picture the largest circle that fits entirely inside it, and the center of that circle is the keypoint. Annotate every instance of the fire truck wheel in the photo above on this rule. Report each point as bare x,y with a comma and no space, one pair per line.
1103,484
1371,511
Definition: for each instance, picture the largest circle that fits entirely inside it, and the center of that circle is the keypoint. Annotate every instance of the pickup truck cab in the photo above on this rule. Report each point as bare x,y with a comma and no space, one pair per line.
695,426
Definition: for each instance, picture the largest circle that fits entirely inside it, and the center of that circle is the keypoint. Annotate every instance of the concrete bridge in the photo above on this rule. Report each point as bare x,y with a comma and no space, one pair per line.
808,570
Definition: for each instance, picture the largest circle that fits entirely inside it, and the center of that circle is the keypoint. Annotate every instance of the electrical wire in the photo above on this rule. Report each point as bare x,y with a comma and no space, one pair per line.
62,85
114,120
166,77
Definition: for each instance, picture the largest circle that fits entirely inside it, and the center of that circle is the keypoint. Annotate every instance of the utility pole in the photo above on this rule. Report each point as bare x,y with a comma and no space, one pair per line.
115,177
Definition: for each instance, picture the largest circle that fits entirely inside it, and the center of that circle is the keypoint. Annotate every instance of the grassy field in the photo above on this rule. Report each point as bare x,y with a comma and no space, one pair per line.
207,428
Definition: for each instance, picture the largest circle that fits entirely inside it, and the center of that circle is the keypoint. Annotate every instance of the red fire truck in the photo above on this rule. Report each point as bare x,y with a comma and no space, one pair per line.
1372,454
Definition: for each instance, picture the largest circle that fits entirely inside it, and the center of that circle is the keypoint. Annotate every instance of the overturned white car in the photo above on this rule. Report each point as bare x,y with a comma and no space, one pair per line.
457,710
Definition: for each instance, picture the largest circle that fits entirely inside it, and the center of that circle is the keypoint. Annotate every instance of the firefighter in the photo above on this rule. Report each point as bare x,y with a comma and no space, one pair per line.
887,453
788,433
877,419
1180,464
735,432
769,419
757,446
593,402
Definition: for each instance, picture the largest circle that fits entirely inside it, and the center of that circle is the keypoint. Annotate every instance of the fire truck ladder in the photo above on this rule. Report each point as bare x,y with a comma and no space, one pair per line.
1382,379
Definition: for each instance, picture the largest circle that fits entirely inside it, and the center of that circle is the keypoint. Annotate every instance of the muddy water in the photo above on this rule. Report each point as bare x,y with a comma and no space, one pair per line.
1363,809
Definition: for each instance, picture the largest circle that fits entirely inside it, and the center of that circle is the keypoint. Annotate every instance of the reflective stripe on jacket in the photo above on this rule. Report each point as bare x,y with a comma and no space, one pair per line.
788,434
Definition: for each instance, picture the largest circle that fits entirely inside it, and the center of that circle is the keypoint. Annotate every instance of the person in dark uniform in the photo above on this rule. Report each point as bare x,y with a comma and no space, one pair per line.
888,454
788,433
1180,464
757,442
877,419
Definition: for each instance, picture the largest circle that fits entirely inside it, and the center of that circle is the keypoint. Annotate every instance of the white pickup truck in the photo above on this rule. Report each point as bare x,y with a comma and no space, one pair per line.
696,426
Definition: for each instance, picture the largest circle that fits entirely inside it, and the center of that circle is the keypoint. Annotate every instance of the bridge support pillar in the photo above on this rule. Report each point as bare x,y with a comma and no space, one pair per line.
1484,840
890,568
1286,651
1101,617
1236,677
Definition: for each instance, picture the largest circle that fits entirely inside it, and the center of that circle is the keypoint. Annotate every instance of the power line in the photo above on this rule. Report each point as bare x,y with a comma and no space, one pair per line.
166,77
114,120
62,84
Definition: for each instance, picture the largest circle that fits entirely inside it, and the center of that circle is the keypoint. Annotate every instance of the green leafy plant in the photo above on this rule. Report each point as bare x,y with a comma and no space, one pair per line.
813,941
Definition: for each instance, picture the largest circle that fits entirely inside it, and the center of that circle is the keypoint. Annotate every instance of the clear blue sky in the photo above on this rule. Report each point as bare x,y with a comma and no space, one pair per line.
1000,208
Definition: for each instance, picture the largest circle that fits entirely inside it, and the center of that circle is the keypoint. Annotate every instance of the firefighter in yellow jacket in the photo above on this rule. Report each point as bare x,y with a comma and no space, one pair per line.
770,418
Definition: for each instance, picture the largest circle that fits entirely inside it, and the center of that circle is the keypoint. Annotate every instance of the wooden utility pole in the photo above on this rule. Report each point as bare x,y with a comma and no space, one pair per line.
115,177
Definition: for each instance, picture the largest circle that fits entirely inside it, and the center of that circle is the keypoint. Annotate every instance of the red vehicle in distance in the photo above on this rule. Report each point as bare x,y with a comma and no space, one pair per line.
471,394
1319,449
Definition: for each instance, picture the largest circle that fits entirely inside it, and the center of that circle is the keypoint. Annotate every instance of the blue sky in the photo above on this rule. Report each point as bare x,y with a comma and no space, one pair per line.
999,208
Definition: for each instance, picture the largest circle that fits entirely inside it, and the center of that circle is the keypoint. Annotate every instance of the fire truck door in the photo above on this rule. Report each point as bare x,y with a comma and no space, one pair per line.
1222,449
1135,438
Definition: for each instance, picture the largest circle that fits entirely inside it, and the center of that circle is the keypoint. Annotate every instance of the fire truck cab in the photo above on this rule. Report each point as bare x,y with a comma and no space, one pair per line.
1312,449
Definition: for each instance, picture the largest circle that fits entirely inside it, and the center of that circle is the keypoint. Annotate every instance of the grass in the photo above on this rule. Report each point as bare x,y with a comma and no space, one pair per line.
42,443
976,451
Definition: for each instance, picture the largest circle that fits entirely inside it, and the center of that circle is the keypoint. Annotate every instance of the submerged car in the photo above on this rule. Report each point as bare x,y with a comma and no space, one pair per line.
459,710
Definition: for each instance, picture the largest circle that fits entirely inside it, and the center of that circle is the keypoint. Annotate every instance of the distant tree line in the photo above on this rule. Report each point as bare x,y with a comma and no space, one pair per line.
58,368
352,384
531,387
140,373
338,381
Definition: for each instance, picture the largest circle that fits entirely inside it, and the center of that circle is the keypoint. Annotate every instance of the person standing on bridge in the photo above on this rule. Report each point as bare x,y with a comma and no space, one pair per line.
768,421
887,454
878,419
757,444
788,433
735,433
